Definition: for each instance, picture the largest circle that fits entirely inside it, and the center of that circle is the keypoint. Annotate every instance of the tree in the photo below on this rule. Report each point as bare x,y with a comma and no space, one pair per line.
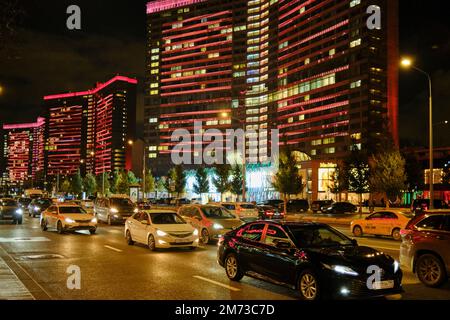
132,178
66,186
357,171
180,180
160,185
76,185
122,184
287,180
201,184
149,182
237,180
169,181
103,181
339,182
89,184
388,174
222,179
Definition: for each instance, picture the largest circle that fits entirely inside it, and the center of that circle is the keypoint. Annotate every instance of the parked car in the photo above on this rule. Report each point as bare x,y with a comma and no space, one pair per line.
161,229
320,205
212,221
11,211
242,210
420,205
66,217
315,259
295,206
425,248
38,205
114,210
383,223
270,213
340,208
24,203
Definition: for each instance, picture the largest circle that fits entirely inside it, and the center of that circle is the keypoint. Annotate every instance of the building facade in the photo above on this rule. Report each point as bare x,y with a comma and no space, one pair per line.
89,130
312,69
23,153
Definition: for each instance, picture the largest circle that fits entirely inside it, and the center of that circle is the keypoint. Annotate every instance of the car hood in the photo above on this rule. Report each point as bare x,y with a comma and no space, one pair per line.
228,223
78,216
358,257
175,227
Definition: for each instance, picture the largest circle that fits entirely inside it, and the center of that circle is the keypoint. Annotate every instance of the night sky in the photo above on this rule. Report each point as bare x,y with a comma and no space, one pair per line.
44,57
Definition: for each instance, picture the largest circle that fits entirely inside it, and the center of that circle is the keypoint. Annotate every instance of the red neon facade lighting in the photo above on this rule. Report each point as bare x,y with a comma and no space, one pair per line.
162,5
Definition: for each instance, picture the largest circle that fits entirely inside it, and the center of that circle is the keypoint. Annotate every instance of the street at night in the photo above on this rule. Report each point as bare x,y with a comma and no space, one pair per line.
111,269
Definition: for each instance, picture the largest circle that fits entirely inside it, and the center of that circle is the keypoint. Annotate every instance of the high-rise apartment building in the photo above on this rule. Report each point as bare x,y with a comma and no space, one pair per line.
23,152
89,130
313,69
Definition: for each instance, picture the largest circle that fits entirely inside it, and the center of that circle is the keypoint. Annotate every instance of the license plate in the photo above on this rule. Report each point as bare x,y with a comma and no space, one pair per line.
180,241
381,285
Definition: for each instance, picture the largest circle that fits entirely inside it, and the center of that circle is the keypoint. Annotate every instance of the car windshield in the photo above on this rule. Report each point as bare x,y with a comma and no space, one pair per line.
25,201
247,206
121,202
217,213
8,203
71,210
318,236
166,218
44,202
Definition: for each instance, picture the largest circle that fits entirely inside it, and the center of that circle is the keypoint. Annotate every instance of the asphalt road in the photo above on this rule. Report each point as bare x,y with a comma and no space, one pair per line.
110,269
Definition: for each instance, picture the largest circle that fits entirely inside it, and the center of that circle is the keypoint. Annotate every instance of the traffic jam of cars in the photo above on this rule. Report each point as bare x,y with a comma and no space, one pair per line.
257,240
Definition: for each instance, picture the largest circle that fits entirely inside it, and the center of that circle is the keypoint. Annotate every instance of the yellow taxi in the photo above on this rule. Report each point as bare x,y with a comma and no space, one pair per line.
388,222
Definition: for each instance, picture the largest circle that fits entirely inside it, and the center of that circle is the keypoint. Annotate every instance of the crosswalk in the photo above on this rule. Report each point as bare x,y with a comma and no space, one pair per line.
11,288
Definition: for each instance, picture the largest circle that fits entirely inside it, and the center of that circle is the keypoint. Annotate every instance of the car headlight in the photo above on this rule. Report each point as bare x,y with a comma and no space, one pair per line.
19,211
68,220
217,226
341,270
36,208
396,266
195,232
114,210
94,220
161,233
136,210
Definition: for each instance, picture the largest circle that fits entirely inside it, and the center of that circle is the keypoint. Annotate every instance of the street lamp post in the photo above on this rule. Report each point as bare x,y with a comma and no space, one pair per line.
408,63
244,155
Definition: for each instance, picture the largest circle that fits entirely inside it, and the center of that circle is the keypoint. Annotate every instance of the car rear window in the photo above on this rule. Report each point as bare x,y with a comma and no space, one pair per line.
247,206
71,210
434,222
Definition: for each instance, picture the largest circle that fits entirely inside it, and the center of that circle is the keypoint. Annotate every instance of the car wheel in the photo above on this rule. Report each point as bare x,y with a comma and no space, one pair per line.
130,241
44,225
205,236
19,221
92,231
396,234
430,270
232,268
59,227
151,243
357,231
308,286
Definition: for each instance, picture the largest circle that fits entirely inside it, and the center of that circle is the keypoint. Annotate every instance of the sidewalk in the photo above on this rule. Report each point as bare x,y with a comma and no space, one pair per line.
11,288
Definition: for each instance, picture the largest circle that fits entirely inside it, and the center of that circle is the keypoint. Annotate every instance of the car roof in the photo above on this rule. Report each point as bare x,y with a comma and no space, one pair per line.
290,223
160,211
62,204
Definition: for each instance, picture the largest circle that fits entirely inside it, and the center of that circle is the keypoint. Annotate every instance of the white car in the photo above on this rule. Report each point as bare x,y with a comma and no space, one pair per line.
160,229
66,218
242,210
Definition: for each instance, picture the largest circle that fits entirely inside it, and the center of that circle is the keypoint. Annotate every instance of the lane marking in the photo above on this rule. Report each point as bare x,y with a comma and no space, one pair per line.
24,239
114,249
217,283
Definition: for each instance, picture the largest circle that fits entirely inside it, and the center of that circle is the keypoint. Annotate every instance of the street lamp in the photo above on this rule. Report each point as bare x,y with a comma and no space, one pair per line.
407,63
226,115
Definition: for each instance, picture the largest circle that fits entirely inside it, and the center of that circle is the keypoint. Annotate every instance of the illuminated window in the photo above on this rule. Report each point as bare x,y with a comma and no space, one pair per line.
354,3
355,43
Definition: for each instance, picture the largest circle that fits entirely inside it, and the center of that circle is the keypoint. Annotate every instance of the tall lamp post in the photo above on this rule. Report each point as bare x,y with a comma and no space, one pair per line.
226,115
407,63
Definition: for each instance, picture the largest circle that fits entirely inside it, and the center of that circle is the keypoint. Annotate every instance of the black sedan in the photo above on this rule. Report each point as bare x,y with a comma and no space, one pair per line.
314,259
340,208
38,205
269,213
10,210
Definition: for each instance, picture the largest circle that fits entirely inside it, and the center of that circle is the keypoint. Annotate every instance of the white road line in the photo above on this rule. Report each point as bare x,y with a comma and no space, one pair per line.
217,283
24,239
114,249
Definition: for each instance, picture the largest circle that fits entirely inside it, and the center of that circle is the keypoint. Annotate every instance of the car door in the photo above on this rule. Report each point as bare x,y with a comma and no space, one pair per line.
372,223
389,223
251,249
51,215
445,242
277,263
142,227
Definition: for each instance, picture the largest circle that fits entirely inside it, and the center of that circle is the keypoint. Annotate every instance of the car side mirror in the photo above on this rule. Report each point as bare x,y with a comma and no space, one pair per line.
283,245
